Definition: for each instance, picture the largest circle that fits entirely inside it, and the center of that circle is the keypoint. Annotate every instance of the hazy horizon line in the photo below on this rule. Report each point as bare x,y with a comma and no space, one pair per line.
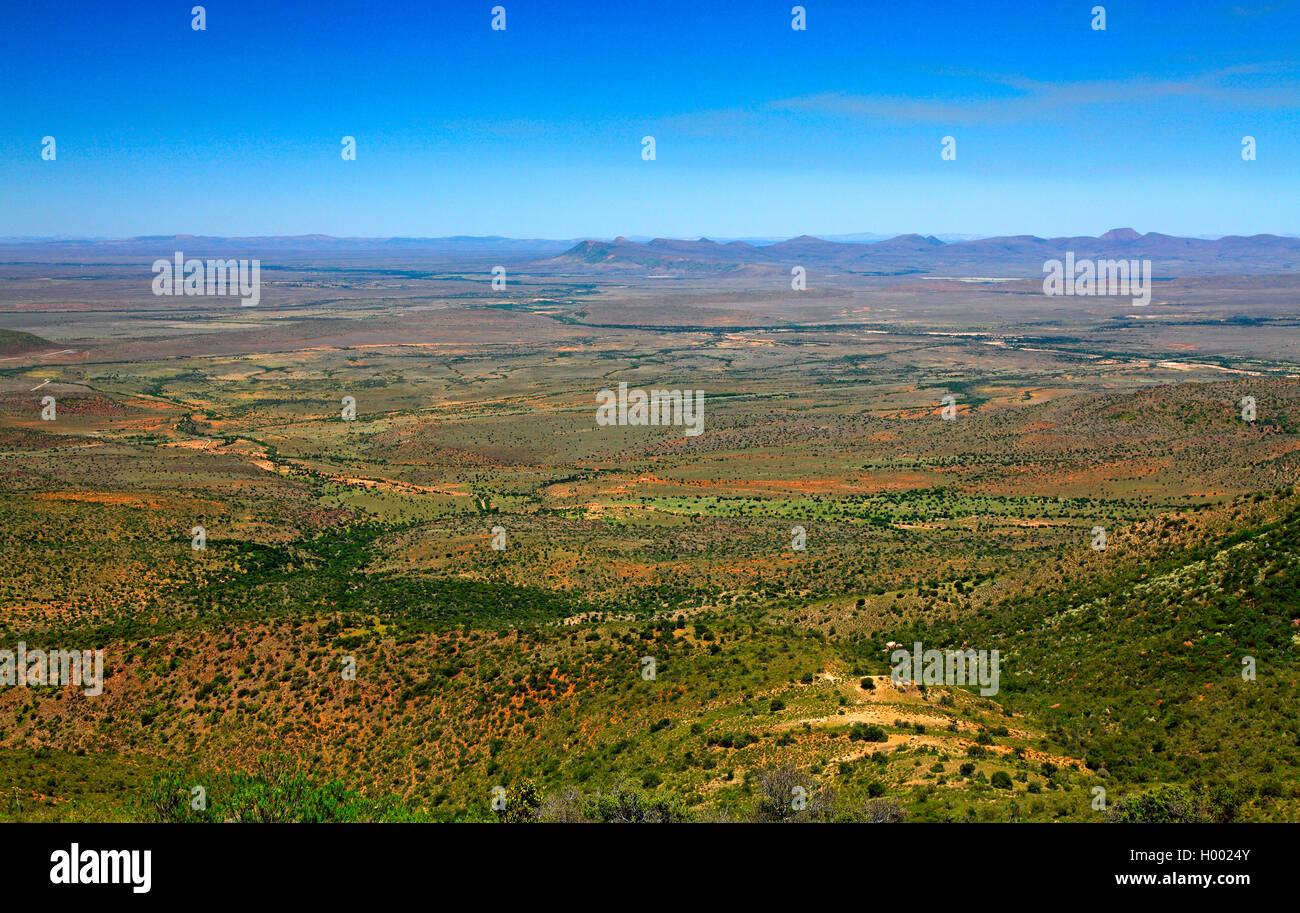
838,237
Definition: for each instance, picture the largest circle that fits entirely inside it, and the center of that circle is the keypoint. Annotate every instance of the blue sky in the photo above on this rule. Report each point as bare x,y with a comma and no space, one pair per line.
760,130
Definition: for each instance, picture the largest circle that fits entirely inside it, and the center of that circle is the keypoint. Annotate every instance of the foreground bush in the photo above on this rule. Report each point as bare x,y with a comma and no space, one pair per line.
1178,805
278,792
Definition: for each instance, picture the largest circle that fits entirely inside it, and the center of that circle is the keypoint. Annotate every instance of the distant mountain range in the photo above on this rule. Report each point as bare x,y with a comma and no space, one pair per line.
904,255
1015,256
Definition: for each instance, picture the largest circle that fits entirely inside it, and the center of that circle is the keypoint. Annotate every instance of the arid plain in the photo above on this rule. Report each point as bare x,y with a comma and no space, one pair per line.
368,544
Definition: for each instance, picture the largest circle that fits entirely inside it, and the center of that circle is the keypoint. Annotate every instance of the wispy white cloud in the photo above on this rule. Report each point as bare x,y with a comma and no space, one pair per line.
1257,10
992,99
